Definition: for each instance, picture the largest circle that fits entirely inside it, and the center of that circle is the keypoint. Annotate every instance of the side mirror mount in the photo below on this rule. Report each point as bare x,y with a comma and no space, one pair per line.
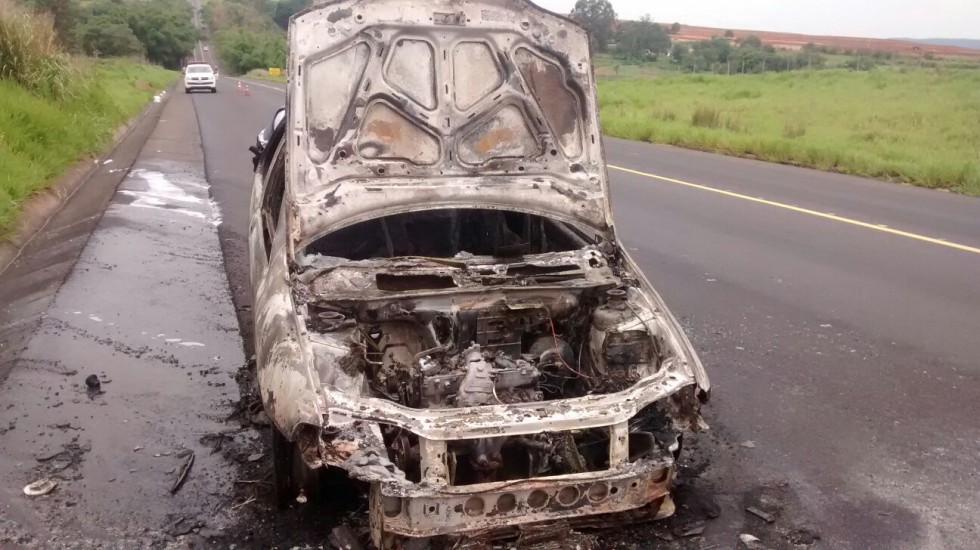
256,155
264,135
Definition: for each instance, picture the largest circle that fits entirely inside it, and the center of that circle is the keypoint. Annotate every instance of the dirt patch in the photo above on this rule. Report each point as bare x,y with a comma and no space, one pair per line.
797,41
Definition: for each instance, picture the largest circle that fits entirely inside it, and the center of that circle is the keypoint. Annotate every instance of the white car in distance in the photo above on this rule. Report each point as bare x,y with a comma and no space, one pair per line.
198,76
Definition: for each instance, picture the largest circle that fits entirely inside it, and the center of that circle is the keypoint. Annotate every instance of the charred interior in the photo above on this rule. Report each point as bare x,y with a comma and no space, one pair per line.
470,308
446,233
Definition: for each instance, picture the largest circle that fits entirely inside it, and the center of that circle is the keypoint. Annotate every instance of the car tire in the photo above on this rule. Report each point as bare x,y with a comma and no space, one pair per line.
283,454
214,90
290,475
187,90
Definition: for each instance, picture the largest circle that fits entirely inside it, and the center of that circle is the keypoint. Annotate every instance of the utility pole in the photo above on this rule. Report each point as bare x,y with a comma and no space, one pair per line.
729,67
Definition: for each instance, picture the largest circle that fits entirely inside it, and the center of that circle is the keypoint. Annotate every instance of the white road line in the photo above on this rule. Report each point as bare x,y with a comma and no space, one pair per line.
254,83
826,215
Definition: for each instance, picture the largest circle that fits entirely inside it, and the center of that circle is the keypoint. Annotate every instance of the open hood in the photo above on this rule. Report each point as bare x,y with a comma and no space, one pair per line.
405,105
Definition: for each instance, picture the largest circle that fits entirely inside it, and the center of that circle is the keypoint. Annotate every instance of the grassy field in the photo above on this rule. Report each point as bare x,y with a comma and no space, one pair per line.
910,125
41,136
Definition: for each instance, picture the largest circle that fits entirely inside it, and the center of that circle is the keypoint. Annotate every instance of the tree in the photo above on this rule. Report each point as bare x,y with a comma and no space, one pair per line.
164,27
716,50
242,51
598,17
675,28
286,9
104,36
729,34
679,53
642,39
750,41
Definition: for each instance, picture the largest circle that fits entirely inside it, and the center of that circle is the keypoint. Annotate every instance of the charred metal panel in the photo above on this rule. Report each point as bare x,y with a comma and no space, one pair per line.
411,69
286,371
475,72
401,105
337,76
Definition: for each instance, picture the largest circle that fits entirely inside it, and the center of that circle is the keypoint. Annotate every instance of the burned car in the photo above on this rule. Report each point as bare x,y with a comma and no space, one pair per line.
442,308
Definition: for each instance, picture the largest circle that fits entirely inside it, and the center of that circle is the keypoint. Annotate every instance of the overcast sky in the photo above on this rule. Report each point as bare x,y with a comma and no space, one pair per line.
872,18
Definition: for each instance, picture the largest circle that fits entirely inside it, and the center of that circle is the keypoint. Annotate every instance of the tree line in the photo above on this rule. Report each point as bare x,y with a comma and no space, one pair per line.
247,34
747,55
160,31
646,40
250,34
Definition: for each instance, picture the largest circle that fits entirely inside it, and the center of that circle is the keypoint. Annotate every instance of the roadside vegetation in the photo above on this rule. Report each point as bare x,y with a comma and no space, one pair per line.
159,31
920,126
909,118
263,74
57,108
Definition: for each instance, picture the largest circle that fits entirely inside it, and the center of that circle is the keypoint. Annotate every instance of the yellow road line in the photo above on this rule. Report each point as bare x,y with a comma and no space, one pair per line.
876,227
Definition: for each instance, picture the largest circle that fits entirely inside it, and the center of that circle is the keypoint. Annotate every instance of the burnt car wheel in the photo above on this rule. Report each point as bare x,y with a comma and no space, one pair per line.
283,453
294,481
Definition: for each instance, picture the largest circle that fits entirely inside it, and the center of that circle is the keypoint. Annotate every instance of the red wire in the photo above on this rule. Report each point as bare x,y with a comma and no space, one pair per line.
554,338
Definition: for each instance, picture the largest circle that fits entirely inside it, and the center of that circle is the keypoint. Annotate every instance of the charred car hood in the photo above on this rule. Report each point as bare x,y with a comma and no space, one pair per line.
398,106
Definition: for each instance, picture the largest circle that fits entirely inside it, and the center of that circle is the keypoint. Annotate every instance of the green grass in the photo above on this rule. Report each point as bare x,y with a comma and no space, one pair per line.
40,136
911,125
263,74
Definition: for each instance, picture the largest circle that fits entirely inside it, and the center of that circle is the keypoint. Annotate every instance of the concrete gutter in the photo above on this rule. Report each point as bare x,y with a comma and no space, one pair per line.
42,206
54,228
147,311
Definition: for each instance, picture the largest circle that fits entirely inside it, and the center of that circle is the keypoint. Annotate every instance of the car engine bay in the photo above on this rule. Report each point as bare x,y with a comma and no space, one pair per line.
472,331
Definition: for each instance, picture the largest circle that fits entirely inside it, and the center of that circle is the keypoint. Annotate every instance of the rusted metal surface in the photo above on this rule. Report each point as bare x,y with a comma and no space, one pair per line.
440,510
387,135
443,309
547,80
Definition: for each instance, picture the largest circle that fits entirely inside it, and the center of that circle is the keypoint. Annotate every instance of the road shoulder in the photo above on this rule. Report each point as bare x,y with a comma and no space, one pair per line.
54,228
146,315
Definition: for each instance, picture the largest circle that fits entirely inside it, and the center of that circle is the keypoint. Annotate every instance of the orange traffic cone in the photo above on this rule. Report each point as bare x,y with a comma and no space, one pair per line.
247,92
239,89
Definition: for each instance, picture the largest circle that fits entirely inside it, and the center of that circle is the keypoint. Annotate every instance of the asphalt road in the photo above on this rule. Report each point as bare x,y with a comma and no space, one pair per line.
837,317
